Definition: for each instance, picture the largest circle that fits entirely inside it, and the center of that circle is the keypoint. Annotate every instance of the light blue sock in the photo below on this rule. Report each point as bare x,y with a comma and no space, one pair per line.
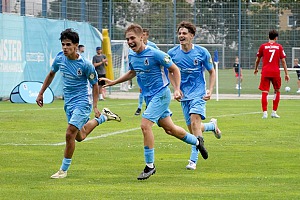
141,99
101,119
194,154
66,162
209,126
149,154
190,139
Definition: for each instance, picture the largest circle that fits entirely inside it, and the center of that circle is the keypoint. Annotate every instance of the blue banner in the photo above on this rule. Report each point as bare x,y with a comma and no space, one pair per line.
29,45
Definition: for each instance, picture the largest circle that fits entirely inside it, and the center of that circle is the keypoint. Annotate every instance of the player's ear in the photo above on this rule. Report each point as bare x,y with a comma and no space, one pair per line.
76,46
192,36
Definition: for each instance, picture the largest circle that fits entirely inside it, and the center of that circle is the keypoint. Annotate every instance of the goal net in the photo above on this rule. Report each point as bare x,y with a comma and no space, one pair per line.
120,50
295,54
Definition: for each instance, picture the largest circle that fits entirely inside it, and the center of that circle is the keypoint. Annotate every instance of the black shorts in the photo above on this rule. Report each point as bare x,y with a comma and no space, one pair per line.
101,82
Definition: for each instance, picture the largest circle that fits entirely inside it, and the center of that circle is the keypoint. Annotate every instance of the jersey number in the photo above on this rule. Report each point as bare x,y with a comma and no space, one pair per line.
273,52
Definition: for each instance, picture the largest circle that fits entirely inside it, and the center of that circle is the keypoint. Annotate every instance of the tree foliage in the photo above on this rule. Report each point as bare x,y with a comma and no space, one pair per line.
217,21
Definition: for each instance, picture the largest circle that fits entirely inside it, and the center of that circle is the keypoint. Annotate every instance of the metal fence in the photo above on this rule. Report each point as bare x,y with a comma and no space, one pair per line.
241,26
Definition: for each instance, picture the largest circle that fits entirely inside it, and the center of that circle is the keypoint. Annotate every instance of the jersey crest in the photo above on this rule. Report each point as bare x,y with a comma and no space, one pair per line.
79,72
196,61
146,62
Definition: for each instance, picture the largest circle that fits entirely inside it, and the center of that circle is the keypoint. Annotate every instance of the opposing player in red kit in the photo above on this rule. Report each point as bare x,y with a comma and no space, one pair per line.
272,53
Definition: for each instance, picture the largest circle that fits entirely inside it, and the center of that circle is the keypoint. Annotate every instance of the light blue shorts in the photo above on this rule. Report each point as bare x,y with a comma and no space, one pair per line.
158,106
195,106
78,116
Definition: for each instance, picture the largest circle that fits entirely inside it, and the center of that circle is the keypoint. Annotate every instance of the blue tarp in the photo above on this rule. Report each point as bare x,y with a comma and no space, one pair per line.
28,46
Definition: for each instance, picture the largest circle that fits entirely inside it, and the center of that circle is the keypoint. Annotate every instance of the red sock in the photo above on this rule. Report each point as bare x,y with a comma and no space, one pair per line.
264,101
276,100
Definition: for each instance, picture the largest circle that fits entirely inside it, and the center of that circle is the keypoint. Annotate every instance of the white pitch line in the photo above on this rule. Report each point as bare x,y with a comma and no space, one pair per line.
112,133
35,109
60,108
228,115
63,143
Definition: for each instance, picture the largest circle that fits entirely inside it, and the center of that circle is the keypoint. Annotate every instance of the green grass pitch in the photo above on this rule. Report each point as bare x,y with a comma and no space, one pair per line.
254,159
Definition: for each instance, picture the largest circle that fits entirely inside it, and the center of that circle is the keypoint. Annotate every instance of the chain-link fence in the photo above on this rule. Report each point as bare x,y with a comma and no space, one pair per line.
240,27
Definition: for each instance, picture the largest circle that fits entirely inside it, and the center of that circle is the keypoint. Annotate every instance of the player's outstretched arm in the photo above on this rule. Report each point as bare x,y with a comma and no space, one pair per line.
129,75
40,99
108,82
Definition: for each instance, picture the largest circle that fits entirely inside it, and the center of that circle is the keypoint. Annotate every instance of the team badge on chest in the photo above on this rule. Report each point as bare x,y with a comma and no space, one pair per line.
146,62
196,61
79,72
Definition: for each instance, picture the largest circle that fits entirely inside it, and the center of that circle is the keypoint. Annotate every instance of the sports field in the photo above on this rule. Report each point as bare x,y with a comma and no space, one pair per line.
254,159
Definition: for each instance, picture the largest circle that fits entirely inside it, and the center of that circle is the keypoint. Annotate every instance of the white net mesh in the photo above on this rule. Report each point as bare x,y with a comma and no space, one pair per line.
295,55
119,50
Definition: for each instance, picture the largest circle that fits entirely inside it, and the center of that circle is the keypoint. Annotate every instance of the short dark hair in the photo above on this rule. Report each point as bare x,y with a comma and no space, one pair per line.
273,34
69,34
188,25
81,45
145,30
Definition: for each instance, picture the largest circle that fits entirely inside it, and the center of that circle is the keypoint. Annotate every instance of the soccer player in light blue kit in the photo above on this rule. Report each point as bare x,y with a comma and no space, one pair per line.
192,61
151,66
152,44
77,73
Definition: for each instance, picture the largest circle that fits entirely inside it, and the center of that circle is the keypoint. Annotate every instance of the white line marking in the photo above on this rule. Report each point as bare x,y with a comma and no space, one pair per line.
60,108
112,133
35,109
63,143
228,115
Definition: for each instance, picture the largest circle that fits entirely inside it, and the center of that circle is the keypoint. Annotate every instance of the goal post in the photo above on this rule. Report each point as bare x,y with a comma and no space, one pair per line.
120,51
295,54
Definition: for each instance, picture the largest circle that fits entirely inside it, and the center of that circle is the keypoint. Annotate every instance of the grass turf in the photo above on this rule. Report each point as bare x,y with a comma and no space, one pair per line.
254,159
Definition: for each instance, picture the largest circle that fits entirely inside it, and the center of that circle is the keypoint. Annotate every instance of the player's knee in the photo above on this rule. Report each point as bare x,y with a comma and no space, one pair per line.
69,136
145,128
169,130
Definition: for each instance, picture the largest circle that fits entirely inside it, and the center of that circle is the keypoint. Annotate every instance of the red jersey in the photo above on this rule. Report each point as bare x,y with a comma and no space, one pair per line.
272,53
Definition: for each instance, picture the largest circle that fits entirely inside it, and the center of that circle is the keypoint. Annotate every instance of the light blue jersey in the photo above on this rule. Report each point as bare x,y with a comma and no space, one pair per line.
75,76
192,66
151,67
